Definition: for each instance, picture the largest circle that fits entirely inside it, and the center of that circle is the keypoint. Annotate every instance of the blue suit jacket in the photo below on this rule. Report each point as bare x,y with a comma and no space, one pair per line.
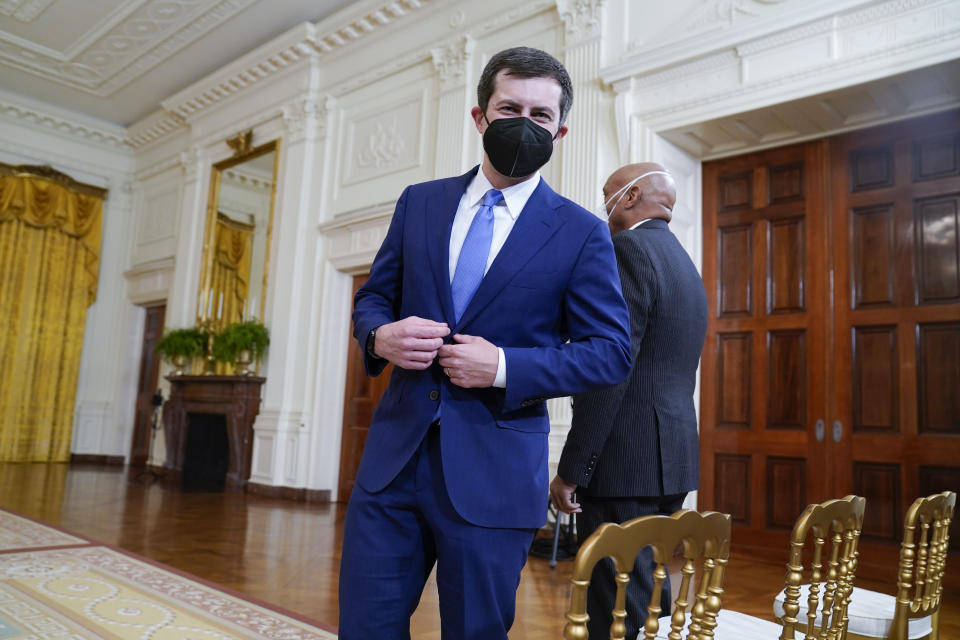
551,299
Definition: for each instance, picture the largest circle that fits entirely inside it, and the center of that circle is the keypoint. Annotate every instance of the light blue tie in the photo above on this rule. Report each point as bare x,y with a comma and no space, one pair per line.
474,253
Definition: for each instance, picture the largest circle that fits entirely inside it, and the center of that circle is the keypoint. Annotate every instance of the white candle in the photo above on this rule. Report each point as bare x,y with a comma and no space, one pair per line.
209,303
243,313
220,307
253,309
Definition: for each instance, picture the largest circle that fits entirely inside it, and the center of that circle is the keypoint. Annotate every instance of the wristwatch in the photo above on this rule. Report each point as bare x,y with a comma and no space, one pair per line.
371,340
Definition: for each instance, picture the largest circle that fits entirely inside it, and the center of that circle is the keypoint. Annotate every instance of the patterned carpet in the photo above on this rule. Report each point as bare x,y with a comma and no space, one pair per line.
57,586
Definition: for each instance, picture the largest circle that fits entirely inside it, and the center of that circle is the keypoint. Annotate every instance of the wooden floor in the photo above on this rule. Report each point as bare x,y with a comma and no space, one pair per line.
288,553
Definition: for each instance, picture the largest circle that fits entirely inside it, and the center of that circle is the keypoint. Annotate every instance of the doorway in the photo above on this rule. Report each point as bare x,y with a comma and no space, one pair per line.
361,397
147,386
832,359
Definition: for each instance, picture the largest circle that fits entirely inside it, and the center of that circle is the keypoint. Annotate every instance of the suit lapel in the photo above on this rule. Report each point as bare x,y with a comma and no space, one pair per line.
534,226
442,208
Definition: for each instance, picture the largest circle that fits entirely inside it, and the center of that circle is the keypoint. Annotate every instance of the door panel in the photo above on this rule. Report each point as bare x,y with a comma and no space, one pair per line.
362,395
832,361
896,253
147,386
765,342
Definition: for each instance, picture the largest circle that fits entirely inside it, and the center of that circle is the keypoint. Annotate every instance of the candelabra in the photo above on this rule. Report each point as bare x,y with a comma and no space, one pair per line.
209,327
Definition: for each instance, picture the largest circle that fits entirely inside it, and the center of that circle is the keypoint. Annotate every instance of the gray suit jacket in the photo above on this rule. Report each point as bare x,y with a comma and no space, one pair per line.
639,438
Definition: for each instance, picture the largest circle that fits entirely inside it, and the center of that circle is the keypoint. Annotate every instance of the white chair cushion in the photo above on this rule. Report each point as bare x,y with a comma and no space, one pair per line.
870,613
733,625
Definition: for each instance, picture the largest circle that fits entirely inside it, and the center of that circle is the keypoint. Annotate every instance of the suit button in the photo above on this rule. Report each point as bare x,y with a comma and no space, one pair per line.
434,394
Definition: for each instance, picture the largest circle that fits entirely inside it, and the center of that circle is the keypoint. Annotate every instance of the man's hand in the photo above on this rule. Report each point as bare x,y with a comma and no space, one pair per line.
561,495
411,343
471,363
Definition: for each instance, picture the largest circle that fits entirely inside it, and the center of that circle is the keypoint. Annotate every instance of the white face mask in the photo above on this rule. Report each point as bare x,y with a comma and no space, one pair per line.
602,211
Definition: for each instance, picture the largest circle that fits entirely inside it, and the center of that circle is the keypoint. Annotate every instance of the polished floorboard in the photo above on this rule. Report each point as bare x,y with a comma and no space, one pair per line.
288,553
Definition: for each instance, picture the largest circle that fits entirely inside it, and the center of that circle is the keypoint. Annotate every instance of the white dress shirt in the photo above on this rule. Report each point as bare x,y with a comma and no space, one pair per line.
639,223
505,215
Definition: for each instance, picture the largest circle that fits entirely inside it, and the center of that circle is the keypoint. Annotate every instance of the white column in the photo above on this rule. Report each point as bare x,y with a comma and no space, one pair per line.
581,178
452,62
181,305
282,432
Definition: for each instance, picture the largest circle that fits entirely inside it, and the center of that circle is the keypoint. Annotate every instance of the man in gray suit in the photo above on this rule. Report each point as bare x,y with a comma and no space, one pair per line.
633,448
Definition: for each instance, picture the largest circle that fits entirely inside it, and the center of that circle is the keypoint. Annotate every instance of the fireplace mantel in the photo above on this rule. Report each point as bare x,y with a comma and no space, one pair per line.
236,397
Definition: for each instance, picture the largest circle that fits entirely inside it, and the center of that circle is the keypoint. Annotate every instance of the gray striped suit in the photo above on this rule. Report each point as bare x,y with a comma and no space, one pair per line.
633,448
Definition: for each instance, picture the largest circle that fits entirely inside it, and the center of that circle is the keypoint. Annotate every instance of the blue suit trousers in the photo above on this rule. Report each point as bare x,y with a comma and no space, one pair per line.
393,538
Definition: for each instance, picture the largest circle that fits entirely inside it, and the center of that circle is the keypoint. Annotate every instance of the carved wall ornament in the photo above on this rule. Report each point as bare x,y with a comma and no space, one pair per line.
451,60
582,18
384,146
241,143
313,112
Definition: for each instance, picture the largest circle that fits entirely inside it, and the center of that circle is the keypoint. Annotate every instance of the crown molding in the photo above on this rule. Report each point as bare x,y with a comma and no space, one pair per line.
663,54
22,111
306,41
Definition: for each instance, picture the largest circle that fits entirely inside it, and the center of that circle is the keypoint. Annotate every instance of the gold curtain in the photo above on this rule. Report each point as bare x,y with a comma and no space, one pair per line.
230,277
49,261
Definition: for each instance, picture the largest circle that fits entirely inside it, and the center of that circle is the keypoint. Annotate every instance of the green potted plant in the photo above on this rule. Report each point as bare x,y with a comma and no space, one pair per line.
177,346
241,343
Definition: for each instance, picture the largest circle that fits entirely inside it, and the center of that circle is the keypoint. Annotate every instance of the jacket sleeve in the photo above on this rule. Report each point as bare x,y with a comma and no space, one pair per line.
595,413
597,352
377,302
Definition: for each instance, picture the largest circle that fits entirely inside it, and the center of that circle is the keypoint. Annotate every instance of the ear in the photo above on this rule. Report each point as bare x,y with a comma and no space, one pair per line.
477,114
562,131
632,197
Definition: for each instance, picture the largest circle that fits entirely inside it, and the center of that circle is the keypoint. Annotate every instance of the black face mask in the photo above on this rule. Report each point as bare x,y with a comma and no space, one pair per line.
517,147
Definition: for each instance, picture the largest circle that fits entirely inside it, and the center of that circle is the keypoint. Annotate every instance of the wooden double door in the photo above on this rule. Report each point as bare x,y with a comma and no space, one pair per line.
832,360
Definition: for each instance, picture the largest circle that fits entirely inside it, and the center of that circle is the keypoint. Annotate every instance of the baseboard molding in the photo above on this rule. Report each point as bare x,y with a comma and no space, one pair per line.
289,493
89,458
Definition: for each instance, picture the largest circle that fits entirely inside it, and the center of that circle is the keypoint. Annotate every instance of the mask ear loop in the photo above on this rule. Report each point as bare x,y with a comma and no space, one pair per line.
622,190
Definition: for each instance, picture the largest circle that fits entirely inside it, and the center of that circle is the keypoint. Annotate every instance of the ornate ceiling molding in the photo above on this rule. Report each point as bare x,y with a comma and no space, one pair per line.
136,38
63,126
23,10
306,42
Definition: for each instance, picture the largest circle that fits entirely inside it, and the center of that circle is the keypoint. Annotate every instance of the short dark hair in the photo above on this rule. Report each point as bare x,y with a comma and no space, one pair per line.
525,62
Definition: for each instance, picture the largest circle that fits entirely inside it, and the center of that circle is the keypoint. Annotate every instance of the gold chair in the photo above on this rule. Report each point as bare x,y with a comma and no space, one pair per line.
915,611
703,537
831,571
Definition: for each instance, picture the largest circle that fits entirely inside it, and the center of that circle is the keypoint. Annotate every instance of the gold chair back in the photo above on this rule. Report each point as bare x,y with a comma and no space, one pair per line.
704,538
830,575
923,556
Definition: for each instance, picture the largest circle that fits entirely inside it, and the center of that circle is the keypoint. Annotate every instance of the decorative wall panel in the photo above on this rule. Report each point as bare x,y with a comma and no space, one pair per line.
733,385
787,375
871,168
937,157
735,192
875,383
785,275
937,249
384,141
785,183
732,486
735,269
786,491
872,256
938,378
879,483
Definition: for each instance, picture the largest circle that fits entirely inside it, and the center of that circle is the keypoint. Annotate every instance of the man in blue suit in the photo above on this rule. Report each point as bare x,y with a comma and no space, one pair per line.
490,294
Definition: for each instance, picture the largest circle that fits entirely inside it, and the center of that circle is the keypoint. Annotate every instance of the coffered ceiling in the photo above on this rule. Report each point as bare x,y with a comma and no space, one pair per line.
115,60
